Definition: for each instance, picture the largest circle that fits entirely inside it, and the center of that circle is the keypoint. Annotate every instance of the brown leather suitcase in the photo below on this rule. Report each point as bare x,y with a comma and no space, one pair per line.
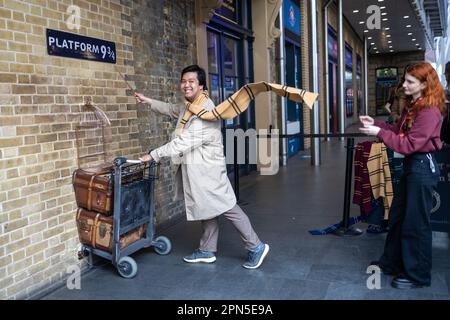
96,230
93,192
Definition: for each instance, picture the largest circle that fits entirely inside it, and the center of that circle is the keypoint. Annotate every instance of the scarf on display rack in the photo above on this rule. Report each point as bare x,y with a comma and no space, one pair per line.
333,228
239,101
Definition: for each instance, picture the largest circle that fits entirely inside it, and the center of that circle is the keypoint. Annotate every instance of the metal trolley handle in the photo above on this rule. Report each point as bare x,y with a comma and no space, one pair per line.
121,160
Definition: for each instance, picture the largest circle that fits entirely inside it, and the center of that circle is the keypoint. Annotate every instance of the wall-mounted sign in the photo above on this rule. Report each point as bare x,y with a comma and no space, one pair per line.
386,73
332,45
71,45
291,17
358,64
228,10
348,57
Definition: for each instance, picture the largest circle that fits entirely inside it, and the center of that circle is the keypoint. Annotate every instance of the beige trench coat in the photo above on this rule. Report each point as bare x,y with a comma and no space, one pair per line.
203,175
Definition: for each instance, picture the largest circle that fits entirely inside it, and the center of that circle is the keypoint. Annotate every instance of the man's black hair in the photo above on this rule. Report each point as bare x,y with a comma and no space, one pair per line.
201,75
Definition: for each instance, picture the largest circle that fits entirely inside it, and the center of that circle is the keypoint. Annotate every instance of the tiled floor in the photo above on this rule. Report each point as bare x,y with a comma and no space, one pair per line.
282,209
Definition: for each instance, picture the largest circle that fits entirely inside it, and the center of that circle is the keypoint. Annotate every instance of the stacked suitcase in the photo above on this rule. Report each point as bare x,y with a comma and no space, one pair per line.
94,194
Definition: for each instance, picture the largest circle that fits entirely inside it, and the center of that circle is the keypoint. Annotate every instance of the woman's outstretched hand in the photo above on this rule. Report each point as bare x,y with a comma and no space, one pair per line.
366,121
370,130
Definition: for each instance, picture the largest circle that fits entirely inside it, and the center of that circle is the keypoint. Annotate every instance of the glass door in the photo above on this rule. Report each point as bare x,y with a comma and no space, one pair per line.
223,69
294,115
226,75
214,76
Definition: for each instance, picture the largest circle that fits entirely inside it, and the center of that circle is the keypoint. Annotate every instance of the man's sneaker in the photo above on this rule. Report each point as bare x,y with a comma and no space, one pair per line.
256,256
200,256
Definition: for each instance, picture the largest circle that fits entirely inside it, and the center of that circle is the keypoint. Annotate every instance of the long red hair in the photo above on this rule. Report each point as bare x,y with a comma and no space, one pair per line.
433,95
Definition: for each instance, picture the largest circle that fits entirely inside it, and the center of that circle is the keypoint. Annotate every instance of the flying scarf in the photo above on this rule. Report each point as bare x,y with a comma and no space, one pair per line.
239,101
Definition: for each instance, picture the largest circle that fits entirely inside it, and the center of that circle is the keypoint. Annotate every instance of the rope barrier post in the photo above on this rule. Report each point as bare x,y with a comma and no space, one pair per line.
236,169
345,230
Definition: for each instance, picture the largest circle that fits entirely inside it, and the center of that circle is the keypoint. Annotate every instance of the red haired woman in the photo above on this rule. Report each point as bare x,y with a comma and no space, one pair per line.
407,251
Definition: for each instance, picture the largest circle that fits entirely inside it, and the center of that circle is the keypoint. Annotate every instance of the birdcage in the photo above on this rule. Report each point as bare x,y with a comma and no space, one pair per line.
93,139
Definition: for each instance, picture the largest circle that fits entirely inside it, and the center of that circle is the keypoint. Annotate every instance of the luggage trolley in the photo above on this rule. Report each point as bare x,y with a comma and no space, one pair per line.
134,206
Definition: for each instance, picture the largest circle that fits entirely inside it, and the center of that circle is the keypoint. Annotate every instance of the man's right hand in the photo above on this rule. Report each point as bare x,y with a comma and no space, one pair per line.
366,121
141,98
146,158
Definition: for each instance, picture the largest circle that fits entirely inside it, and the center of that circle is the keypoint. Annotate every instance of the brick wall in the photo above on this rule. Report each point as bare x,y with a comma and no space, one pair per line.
41,100
162,46
306,64
274,76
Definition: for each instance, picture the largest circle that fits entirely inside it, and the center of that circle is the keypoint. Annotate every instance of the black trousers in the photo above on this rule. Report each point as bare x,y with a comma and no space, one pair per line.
409,241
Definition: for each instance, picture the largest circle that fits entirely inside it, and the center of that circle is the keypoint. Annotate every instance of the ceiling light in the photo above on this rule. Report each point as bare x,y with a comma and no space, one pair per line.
390,47
405,17
390,41
372,43
361,22
408,26
385,19
380,0
370,38
388,36
391,50
383,13
418,45
387,28
378,51
419,48
355,11
365,31
375,48
409,33
383,7
413,39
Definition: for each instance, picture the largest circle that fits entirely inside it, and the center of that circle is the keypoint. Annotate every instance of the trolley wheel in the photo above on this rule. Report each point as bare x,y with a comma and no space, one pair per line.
163,245
127,267
82,252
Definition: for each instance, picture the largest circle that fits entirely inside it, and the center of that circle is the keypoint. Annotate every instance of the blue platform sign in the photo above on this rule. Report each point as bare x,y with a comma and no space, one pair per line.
348,57
291,16
332,46
72,45
358,64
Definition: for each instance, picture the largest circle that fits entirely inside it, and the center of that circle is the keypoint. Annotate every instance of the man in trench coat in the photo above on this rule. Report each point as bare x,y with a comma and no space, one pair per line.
207,189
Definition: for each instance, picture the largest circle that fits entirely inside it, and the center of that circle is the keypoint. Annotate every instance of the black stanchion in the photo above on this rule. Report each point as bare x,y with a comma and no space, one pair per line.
236,170
345,230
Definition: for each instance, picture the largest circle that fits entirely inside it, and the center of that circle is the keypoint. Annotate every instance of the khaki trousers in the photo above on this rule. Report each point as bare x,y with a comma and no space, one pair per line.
240,221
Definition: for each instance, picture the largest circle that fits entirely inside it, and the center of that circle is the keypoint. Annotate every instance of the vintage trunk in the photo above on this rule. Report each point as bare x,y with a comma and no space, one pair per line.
93,192
96,230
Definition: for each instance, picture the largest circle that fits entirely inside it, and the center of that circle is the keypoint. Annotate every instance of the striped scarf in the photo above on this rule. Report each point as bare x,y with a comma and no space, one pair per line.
362,195
239,101
380,175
